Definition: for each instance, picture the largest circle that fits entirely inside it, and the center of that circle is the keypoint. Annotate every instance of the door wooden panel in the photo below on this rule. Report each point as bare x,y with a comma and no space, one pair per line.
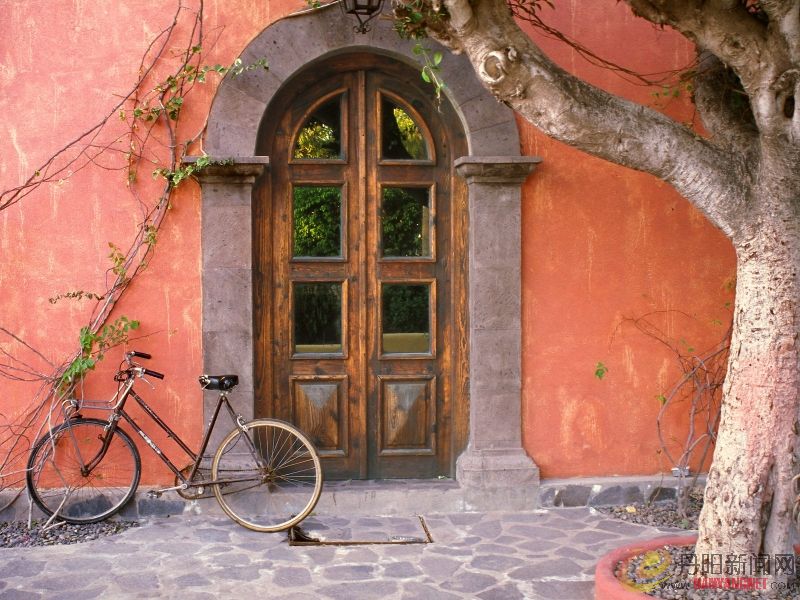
407,409
360,270
319,408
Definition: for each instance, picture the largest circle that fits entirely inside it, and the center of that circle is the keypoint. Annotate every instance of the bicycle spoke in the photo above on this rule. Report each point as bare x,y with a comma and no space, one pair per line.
56,479
290,478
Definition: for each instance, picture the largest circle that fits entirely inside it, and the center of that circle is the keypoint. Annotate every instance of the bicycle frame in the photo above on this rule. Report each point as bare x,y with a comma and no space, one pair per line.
118,410
266,474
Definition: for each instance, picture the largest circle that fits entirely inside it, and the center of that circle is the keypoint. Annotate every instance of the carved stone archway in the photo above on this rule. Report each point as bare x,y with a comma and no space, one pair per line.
494,470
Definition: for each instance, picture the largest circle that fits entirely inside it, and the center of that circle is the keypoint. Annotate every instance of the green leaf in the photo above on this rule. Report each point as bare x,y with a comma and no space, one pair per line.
437,58
600,370
425,77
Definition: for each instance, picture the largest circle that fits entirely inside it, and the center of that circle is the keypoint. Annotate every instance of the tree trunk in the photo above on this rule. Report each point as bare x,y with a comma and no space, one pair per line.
743,177
749,498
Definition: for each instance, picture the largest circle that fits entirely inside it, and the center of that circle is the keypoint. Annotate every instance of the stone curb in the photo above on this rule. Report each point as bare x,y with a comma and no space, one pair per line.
611,491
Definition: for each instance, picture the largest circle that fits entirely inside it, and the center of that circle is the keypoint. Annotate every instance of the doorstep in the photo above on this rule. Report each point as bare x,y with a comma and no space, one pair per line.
411,497
404,497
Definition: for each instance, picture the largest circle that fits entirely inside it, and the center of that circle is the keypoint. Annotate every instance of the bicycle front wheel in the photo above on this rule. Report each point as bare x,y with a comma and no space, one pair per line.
59,483
267,477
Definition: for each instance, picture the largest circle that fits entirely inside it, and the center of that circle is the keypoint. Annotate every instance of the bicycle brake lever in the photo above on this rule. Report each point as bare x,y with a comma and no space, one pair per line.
143,378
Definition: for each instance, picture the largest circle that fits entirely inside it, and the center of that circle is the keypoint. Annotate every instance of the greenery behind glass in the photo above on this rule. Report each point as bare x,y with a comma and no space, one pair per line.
317,313
320,136
406,308
317,215
405,222
401,137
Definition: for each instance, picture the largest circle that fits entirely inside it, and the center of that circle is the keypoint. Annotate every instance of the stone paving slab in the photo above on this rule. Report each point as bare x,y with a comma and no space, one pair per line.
545,554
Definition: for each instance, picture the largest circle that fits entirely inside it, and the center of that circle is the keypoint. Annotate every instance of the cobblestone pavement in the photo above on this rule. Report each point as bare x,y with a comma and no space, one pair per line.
545,554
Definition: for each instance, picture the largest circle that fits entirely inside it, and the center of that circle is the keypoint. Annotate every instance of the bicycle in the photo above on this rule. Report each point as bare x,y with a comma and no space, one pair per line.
266,474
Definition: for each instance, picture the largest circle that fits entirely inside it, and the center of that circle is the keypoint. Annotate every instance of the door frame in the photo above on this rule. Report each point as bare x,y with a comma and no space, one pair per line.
494,467
357,421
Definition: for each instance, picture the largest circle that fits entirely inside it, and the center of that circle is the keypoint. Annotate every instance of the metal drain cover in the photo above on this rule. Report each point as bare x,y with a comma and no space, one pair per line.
360,531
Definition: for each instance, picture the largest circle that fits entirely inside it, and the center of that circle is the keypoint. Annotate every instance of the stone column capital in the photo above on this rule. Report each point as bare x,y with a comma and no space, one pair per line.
231,169
496,169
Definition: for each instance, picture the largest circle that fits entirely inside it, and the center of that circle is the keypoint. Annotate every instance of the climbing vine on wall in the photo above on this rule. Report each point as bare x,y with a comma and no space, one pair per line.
144,138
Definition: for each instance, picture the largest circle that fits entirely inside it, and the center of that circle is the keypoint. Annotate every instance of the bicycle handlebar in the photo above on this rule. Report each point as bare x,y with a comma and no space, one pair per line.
155,374
137,368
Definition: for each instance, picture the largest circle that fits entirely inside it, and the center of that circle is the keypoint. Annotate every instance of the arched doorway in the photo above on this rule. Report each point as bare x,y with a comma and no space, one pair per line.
493,471
360,255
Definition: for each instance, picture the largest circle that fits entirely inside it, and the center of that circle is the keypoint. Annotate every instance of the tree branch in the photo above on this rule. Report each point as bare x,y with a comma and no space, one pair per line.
723,106
784,15
727,29
512,67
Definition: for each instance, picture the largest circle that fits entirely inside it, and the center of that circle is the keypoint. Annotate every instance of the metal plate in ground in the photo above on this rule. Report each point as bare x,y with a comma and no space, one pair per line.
360,531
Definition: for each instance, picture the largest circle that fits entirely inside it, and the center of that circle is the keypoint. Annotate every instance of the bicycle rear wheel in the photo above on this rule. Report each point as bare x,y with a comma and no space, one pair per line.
58,483
269,475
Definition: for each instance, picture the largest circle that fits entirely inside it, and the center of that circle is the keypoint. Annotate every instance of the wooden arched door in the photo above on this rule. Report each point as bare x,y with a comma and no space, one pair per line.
359,245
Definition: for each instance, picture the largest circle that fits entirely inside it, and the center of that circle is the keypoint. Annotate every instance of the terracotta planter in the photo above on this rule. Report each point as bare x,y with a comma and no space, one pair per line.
606,584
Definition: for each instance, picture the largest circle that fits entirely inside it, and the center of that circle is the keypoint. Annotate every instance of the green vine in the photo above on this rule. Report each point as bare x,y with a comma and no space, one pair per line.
176,176
151,111
430,68
156,104
117,261
93,347
414,18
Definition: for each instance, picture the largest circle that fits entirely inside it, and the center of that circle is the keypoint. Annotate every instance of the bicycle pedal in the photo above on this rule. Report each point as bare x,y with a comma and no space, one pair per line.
152,494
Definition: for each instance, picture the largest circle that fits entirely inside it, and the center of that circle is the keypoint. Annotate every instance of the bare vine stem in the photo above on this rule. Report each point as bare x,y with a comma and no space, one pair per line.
700,386
79,153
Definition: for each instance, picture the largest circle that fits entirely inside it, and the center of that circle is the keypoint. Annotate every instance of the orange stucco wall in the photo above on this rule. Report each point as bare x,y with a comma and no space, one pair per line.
599,242
61,69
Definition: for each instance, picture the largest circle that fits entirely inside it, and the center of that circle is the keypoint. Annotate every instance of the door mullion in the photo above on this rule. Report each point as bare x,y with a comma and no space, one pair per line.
360,269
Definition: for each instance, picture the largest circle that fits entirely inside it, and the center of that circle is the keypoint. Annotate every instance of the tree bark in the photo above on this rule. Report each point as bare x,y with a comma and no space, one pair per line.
747,183
572,111
749,497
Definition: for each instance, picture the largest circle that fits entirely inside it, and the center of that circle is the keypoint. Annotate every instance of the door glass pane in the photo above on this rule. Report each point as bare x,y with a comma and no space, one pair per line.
401,137
320,136
317,317
405,318
405,222
317,221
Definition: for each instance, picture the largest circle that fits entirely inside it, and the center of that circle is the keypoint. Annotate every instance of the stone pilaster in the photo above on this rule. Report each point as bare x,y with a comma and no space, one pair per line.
227,190
494,470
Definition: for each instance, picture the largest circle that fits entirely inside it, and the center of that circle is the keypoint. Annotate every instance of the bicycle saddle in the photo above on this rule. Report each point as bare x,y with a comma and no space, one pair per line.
222,383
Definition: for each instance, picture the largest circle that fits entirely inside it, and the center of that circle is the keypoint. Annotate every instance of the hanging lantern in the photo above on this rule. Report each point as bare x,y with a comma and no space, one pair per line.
363,10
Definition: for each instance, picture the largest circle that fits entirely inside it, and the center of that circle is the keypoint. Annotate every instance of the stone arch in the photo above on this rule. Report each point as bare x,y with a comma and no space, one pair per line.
293,43
493,471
